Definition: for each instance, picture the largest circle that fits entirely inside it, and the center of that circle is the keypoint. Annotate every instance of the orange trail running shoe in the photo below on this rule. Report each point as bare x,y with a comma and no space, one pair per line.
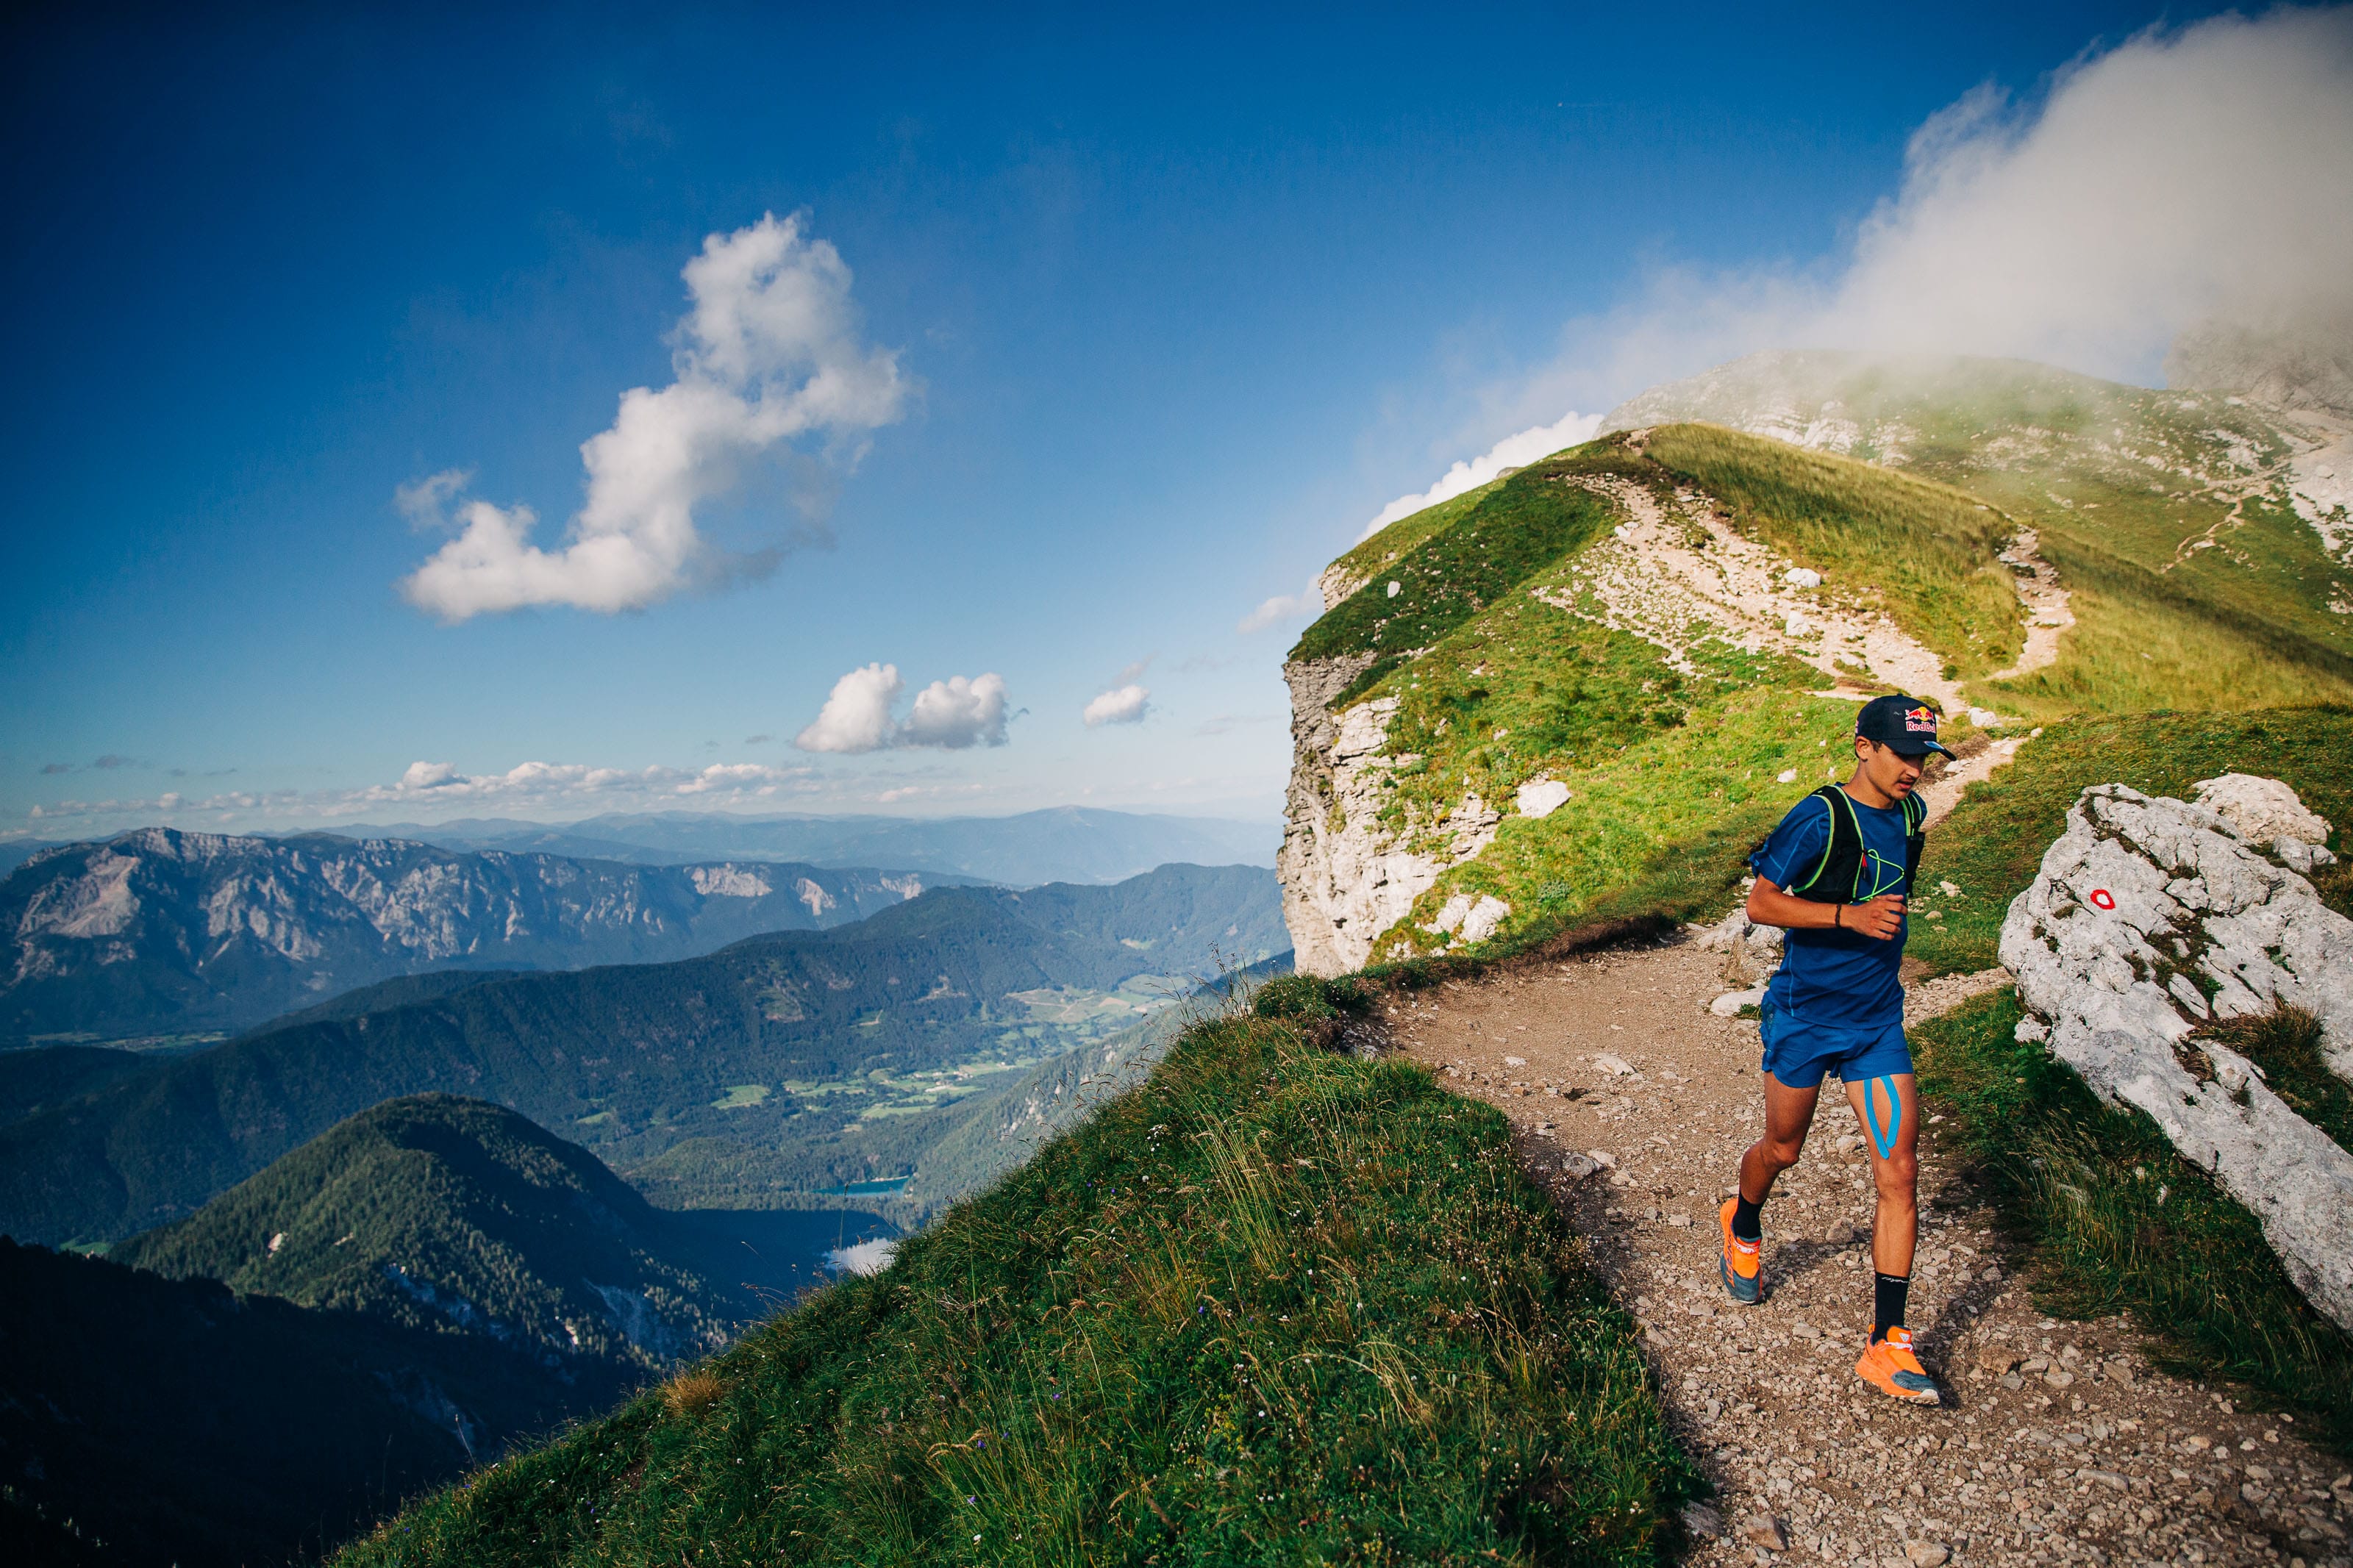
1889,1366
1739,1260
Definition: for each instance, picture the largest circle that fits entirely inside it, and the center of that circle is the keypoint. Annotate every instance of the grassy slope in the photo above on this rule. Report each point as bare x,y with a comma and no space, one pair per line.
1494,687
1927,549
1275,1305
2122,483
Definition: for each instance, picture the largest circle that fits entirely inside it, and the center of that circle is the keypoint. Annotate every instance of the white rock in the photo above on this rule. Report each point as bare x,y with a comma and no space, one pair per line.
1395,589
1725,931
1615,1065
1541,797
1516,1061
2137,887
1729,1005
2265,811
1786,775
1802,577
1472,920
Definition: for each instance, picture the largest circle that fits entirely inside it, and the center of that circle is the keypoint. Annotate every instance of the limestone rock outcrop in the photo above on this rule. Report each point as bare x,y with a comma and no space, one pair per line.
2150,917
1345,880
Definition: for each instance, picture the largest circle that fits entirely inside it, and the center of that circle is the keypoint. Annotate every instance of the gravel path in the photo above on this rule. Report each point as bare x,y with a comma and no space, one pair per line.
2057,1442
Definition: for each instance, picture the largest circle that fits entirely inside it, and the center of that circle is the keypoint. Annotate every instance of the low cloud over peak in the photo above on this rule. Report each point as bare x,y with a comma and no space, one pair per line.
2186,176
767,354
955,713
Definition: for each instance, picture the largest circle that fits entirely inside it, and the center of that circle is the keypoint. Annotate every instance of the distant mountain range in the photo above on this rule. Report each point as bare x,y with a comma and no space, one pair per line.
772,1073
1065,844
160,932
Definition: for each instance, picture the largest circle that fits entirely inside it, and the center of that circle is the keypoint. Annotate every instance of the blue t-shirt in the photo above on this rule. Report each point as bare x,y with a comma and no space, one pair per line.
1833,979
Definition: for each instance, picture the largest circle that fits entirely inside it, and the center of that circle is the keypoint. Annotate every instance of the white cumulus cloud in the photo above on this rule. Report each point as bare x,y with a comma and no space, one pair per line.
857,715
956,713
1120,705
769,351
1513,451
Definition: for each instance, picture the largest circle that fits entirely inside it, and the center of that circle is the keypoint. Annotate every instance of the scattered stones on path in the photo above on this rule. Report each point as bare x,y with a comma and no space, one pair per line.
2058,1443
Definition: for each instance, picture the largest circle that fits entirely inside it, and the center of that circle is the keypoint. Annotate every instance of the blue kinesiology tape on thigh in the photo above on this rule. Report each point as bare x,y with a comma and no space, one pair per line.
1885,1140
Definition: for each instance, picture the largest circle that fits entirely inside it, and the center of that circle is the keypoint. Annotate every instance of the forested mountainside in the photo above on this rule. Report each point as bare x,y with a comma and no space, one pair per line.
148,1421
407,1293
161,933
438,1212
776,1068
1588,687
1060,844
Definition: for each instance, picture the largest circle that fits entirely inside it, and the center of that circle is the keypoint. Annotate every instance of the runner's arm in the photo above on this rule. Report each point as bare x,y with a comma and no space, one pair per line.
1770,906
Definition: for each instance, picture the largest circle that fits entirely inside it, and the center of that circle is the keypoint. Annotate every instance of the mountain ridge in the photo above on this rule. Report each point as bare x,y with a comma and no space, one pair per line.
781,1048
158,931
1058,844
1587,688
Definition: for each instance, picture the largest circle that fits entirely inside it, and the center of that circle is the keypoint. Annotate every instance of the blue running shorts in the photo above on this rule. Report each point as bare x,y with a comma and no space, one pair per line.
1800,1054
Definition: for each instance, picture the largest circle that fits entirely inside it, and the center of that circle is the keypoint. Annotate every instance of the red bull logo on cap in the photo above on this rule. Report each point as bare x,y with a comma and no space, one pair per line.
1920,720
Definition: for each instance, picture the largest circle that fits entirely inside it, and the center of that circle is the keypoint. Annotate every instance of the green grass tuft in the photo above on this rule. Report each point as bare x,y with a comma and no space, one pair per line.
2285,1043
2119,1223
1278,1304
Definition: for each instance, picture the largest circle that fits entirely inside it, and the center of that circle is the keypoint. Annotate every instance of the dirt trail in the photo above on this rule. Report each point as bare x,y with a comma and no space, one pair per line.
2058,1443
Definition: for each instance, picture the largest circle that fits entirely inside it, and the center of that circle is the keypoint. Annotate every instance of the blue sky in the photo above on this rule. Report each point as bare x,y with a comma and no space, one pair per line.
1166,309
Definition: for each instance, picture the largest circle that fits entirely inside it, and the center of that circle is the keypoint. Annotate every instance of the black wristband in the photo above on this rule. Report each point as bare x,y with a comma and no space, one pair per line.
1837,918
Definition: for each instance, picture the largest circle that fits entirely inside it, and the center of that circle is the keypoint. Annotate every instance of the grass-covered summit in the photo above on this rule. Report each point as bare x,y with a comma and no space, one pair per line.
1584,688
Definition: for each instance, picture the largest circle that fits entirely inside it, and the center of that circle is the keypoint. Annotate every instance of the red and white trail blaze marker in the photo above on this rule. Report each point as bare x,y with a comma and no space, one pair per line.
2104,899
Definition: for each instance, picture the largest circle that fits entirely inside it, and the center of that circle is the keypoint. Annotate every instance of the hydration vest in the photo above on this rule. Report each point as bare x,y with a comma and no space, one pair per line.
1837,876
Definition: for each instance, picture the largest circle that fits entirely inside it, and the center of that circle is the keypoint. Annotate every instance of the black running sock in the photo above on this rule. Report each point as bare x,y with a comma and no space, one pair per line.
1745,1223
1888,1295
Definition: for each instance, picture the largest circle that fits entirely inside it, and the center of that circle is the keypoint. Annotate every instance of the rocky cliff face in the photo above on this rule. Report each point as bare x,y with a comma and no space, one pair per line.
1345,880
160,931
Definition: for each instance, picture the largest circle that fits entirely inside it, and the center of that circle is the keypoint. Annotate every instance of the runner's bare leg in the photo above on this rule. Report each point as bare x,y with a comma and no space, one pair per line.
1789,1114
1895,1166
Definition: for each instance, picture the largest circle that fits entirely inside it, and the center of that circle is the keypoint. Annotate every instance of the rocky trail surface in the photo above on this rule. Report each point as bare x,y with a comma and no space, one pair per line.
2057,1442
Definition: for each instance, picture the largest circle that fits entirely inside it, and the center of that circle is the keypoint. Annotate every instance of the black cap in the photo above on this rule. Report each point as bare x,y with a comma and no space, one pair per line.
1904,725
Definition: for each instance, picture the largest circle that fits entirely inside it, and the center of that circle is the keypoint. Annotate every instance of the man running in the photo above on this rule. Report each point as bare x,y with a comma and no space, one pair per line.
1837,873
